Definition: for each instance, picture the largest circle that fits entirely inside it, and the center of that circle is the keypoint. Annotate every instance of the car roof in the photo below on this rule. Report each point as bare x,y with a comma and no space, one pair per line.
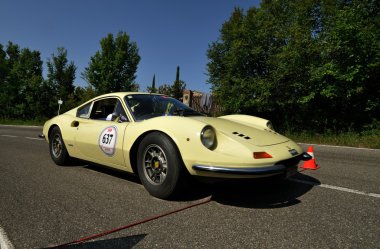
122,94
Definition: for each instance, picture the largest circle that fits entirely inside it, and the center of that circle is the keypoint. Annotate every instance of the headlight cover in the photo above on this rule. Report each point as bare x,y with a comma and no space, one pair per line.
208,137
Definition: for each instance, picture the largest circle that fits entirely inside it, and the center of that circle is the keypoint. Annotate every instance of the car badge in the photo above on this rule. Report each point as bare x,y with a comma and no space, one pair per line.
156,164
293,152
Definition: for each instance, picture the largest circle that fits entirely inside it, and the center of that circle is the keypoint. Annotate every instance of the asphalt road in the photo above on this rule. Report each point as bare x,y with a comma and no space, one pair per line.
41,204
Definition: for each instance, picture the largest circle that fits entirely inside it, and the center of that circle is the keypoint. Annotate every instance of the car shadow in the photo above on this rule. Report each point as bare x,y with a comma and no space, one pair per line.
256,193
115,243
74,162
103,169
113,172
248,193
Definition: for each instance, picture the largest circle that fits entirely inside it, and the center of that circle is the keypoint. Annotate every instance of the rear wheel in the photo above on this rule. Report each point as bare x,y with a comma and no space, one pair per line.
160,166
57,147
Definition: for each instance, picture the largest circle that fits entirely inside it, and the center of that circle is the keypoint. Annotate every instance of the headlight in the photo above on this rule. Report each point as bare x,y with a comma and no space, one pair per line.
208,137
270,125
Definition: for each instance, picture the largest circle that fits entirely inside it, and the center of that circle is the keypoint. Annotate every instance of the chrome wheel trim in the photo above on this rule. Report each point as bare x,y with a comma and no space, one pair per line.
56,147
155,164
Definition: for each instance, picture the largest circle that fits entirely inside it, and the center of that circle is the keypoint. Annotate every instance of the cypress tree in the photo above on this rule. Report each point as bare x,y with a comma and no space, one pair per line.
153,90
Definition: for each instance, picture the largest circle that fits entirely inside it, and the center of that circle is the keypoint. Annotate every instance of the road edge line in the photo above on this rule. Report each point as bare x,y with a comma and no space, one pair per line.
337,146
5,243
22,126
347,190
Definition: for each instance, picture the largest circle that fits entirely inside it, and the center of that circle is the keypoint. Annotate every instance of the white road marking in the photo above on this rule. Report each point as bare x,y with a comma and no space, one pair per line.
4,241
21,126
31,138
348,190
34,138
8,135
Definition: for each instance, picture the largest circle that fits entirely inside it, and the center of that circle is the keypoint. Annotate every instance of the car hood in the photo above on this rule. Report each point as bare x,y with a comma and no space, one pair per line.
257,136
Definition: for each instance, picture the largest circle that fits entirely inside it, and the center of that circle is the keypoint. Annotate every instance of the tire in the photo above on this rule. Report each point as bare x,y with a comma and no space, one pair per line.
160,167
57,147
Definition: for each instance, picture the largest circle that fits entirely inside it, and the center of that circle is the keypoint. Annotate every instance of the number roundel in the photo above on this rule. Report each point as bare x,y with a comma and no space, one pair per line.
107,140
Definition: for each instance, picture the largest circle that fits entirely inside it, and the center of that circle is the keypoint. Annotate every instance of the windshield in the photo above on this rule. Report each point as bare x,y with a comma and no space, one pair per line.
146,106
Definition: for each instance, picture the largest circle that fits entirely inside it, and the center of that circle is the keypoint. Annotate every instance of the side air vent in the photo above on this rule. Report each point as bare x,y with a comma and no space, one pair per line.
241,135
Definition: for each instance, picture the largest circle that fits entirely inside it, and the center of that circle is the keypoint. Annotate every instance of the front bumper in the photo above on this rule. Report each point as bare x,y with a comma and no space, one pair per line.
242,171
281,167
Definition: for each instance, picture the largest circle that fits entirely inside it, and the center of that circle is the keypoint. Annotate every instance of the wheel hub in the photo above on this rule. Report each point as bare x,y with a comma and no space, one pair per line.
155,163
57,146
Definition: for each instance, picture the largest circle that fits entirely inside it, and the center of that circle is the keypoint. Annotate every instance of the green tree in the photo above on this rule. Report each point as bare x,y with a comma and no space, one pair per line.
175,90
346,81
10,85
60,77
61,73
135,87
3,65
152,89
84,94
292,61
113,68
178,86
165,89
47,102
21,78
4,70
30,79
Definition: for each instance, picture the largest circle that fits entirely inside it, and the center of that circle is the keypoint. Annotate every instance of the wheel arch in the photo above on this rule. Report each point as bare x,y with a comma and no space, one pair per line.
135,146
51,129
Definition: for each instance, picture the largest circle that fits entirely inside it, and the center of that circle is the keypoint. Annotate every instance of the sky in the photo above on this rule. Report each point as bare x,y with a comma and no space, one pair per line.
168,33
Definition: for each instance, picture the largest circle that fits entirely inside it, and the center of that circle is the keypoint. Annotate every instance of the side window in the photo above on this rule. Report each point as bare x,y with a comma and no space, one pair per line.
108,109
102,108
84,111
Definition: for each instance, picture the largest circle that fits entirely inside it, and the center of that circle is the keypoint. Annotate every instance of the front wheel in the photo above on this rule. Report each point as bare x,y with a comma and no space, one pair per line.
160,166
57,147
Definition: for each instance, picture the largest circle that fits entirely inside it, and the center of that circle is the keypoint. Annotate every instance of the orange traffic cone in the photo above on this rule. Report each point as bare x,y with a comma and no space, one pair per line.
310,164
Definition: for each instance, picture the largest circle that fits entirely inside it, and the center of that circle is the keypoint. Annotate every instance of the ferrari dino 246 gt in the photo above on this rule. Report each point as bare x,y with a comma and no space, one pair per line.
164,141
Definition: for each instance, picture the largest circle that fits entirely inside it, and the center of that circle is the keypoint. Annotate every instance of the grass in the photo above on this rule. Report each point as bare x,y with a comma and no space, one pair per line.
365,139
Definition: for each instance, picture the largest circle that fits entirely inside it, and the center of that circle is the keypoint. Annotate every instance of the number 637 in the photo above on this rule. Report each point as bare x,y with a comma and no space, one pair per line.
107,138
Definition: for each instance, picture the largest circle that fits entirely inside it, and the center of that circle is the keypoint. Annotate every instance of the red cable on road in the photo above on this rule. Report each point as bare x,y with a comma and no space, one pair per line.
81,240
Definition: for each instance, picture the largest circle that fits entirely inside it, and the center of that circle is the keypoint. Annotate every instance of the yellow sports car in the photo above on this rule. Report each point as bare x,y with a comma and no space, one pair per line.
164,141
